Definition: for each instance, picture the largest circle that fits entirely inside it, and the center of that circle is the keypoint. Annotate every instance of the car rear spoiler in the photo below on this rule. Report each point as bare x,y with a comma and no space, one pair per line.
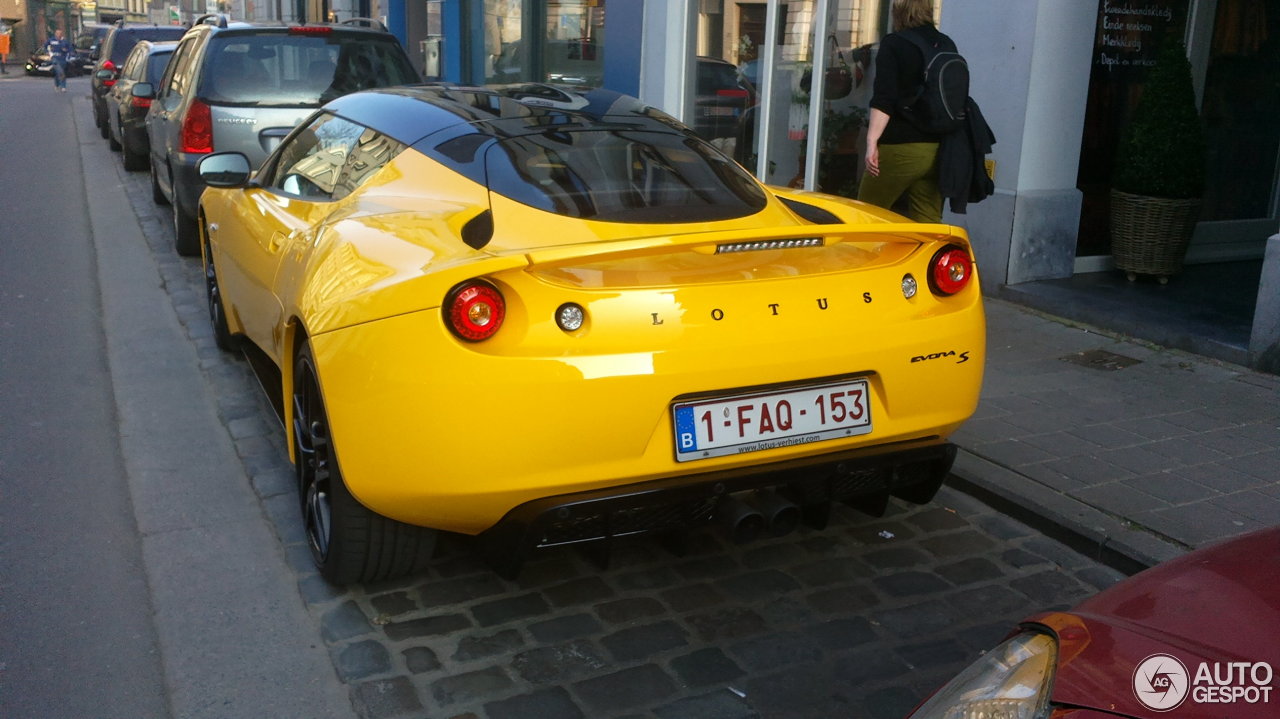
754,239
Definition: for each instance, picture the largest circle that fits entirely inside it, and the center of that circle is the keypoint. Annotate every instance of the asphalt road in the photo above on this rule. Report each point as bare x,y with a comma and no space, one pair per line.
75,611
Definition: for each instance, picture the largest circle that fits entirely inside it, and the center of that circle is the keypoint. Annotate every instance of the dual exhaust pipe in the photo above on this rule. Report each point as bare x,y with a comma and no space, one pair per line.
764,510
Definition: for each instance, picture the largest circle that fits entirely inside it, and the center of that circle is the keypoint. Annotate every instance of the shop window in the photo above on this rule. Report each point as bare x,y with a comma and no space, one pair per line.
1126,43
560,41
733,35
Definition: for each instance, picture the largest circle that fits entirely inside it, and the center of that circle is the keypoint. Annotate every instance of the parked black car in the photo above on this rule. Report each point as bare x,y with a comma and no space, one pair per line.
111,56
243,87
127,108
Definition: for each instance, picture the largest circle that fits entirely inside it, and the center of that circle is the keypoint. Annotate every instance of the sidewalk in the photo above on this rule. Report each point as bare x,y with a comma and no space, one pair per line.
1129,452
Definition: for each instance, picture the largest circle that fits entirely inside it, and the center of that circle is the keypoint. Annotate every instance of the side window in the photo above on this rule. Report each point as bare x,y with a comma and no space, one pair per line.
371,152
173,75
131,65
328,159
309,165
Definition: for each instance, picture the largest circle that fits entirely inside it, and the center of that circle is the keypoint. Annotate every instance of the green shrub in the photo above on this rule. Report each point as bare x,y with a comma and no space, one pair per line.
1162,151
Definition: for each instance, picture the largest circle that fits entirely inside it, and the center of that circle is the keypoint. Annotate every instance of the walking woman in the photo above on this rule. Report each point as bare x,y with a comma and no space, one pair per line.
60,52
902,160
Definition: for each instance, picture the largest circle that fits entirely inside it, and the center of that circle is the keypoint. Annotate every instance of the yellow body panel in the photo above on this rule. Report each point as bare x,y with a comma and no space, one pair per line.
439,432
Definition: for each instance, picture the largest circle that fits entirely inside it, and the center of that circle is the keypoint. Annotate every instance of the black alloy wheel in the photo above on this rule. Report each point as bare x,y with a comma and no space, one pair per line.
348,542
217,312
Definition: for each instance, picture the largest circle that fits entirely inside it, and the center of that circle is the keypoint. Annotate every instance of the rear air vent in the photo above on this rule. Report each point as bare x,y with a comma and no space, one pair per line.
816,215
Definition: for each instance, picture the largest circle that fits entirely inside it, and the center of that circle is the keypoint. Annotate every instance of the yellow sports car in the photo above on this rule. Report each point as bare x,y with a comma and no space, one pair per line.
547,316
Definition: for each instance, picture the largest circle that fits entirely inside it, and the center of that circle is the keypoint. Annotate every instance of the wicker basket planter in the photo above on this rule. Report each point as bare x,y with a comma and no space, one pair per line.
1149,235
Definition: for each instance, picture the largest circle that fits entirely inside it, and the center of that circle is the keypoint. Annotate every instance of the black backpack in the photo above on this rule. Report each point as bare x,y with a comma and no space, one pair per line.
939,107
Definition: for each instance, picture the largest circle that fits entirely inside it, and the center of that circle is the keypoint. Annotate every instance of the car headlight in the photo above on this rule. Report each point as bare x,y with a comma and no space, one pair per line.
1012,681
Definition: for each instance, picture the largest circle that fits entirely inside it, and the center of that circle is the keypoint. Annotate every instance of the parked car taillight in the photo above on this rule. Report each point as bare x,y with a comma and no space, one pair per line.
474,310
197,129
950,270
140,103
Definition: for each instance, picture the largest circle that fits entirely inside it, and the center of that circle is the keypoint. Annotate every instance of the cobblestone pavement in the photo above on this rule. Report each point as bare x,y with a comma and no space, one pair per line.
859,620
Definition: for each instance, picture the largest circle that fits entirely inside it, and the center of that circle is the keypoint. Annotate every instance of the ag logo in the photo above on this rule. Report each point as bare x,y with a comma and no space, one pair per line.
1160,682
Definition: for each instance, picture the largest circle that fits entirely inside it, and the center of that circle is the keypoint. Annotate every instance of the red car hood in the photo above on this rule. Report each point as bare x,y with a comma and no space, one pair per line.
1211,607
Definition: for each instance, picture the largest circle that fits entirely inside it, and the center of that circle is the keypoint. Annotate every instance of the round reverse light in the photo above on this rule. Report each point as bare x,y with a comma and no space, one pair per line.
474,310
909,286
570,316
950,270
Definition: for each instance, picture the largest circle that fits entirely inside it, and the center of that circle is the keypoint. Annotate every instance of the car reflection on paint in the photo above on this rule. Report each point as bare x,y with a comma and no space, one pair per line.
1196,637
550,316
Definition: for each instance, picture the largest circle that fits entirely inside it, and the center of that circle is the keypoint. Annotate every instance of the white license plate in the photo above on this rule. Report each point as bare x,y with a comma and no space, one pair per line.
766,420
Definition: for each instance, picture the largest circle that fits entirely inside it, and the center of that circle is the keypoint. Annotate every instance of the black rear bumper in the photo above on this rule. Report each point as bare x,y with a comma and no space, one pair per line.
865,478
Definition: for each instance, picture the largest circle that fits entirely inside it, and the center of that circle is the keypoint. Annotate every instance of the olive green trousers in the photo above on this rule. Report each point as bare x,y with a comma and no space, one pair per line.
908,171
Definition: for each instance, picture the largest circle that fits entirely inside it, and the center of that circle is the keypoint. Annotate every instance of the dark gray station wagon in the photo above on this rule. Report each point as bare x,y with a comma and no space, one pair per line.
235,86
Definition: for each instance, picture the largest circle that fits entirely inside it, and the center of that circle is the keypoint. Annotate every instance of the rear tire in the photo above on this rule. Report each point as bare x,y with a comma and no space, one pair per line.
186,235
112,142
132,160
100,116
348,542
217,311
157,195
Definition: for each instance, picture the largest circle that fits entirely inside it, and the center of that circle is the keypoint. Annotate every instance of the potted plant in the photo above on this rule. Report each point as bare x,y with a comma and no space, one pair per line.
1160,169
838,165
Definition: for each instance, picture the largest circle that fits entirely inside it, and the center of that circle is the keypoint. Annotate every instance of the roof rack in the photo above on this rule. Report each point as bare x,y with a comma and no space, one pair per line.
213,18
365,22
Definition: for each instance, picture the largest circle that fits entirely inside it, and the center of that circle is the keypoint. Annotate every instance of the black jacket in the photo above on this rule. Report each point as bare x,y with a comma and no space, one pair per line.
962,172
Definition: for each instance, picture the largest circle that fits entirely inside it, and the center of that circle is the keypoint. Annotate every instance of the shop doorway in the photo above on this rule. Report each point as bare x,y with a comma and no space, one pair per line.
1234,48
1241,112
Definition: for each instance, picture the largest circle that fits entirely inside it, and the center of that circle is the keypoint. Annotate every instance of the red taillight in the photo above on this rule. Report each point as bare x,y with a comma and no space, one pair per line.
950,270
197,129
731,93
108,83
474,310
141,103
310,30
108,65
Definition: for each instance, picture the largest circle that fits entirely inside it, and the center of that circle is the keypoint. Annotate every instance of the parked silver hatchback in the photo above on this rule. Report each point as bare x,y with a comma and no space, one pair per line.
242,87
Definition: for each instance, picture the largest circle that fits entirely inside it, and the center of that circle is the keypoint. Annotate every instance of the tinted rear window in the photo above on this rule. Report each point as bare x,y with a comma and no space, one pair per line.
126,38
302,70
622,175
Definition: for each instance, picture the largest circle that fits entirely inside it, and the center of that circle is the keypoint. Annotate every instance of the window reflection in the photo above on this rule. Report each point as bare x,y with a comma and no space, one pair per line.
559,41
732,37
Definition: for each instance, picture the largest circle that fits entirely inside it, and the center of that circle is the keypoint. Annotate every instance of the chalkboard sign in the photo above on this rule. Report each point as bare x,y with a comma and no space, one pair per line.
1128,38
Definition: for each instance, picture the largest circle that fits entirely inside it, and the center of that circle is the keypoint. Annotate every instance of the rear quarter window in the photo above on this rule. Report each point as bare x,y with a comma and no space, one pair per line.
300,70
